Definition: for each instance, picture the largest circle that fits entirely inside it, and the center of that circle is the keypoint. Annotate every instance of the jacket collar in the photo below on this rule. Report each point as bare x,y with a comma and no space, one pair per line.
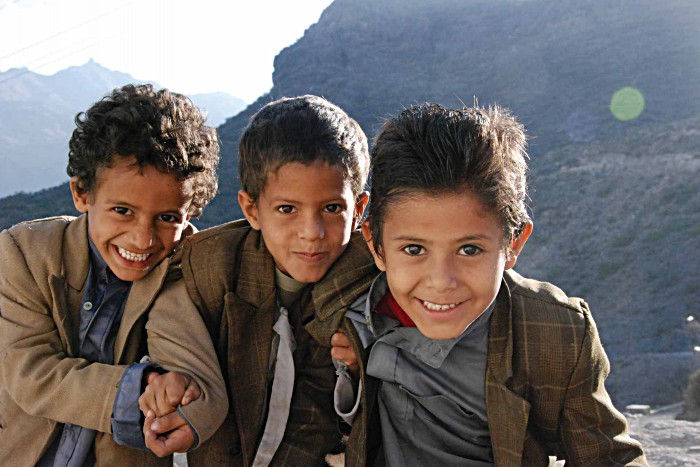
348,278
76,253
256,279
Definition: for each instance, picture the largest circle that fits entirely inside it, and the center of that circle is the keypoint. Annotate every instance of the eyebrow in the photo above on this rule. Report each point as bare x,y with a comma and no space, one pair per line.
280,199
468,238
124,204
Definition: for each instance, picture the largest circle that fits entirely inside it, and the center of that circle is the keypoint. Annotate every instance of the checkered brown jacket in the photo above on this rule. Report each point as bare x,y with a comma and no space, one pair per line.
545,393
230,277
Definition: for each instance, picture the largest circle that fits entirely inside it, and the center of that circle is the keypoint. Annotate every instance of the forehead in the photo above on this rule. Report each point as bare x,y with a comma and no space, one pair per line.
146,186
319,180
440,216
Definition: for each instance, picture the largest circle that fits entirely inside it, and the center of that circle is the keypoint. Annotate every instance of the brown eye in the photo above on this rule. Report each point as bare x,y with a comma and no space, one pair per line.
413,250
469,250
121,210
169,218
286,209
333,208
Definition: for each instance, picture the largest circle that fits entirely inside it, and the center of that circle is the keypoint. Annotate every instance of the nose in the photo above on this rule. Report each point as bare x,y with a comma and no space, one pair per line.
312,227
143,235
442,275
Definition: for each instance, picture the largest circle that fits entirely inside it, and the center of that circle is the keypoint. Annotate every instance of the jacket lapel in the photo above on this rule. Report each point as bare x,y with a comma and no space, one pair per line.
350,276
67,289
507,412
250,313
141,296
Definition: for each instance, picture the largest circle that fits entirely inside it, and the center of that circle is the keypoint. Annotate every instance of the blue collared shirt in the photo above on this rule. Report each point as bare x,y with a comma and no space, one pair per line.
432,397
101,312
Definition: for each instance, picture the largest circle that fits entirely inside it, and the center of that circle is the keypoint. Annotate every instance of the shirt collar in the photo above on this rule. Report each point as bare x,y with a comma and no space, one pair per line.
430,351
99,267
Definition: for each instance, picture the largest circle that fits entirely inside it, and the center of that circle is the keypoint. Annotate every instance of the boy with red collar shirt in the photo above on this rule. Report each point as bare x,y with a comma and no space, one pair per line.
470,363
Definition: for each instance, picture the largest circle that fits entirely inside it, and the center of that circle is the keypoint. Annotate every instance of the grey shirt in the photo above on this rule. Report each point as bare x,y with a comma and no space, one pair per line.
432,400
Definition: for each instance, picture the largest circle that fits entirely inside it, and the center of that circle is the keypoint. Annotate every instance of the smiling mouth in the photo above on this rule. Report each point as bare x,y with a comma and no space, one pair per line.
131,256
438,307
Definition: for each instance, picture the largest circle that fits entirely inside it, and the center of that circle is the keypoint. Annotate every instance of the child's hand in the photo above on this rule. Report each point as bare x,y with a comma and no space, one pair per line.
165,392
342,351
167,435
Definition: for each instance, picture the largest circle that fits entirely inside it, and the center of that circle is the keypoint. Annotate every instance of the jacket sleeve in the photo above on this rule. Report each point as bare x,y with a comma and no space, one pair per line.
178,340
593,432
34,366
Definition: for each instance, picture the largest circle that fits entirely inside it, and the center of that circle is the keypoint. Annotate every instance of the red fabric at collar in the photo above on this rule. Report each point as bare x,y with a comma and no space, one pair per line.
388,306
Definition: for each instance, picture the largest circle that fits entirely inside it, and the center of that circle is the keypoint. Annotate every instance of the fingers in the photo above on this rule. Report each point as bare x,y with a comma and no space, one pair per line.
167,423
147,401
193,392
344,355
165,392
148,435
339,339
171,435
342,350
152,375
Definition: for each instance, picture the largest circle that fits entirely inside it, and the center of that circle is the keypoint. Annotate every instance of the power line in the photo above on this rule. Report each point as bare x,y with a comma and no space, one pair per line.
72,28
24,72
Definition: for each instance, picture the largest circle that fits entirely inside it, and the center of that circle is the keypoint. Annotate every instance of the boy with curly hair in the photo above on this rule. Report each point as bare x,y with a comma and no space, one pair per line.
75,293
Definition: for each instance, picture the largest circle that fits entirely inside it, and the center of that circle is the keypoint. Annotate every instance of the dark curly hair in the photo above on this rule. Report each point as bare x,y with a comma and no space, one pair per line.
159,128
302,129
433,150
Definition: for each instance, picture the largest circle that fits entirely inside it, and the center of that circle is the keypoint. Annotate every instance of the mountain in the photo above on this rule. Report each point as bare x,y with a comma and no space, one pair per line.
614,200
37,113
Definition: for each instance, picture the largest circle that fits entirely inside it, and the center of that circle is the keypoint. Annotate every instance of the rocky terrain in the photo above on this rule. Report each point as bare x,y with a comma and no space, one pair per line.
667,442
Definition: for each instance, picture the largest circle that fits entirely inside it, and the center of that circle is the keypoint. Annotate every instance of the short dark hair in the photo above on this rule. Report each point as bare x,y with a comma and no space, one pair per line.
159,128
433,150
302,129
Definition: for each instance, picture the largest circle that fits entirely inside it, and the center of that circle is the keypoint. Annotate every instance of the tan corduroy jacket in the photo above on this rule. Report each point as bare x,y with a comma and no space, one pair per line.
230,277
44,266
545,393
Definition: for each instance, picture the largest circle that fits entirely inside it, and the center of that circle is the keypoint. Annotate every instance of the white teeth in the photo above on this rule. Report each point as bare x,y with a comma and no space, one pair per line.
128,255
436,307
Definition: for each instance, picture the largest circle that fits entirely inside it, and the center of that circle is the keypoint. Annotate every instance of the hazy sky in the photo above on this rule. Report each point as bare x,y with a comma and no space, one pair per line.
190,46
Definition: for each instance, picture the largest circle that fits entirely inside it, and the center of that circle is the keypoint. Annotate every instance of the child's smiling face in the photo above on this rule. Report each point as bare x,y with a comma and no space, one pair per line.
135,215
444,257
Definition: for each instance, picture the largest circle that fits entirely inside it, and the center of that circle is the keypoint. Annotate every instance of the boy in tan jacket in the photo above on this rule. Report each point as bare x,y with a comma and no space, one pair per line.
75,293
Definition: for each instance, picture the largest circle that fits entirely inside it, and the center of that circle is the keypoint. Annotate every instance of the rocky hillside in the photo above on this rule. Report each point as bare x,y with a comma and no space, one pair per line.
615,202
36,120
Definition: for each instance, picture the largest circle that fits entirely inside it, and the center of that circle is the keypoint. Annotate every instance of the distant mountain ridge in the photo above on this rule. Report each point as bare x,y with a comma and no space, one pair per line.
616,204
36,119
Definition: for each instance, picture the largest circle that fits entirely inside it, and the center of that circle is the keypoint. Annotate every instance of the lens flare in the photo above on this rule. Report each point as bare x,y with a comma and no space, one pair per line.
627,103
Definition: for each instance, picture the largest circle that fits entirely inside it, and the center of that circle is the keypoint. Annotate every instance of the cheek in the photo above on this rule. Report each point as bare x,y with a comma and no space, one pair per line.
399,279
171,238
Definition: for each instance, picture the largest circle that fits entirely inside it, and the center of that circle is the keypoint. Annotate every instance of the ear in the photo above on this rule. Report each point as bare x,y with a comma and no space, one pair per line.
80,200
367,234
517,245
360,205
249,208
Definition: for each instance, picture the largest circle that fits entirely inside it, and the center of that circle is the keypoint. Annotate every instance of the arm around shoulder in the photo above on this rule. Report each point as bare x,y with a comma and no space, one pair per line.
593,432
179,341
